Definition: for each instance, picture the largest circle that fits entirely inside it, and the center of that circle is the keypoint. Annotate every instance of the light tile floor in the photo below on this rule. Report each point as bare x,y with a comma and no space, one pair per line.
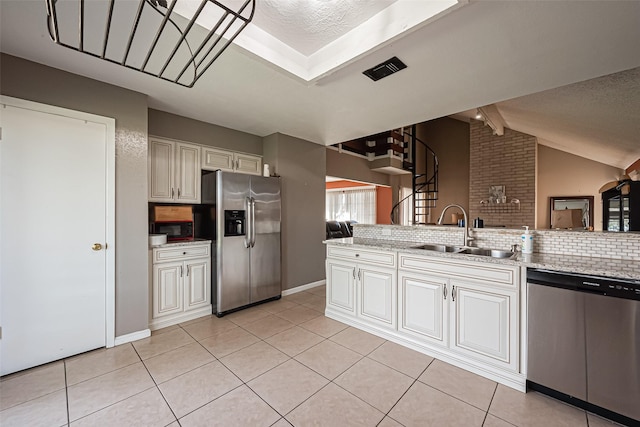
278,364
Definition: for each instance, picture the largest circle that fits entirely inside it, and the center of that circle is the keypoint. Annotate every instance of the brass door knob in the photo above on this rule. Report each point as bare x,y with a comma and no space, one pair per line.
96,246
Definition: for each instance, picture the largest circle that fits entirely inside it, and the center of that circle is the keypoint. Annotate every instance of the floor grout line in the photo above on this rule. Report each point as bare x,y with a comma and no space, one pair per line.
287,358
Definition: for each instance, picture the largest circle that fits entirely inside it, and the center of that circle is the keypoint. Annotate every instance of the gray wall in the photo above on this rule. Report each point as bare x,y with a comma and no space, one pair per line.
35,82
342,165
449,138
301,165
173,126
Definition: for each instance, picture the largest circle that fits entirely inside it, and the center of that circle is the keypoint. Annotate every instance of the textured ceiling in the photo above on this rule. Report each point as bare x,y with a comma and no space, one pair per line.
480,53
597,118
308,25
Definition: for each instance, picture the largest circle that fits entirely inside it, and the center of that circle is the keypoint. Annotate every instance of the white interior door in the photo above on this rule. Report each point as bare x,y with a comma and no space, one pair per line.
54,208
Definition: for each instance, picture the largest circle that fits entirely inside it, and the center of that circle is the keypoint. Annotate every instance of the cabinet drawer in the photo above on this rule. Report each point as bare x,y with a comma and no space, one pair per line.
476,271
381,258
180,253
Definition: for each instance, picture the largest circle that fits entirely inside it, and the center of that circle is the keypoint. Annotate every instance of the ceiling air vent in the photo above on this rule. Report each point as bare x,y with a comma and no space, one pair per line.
385,69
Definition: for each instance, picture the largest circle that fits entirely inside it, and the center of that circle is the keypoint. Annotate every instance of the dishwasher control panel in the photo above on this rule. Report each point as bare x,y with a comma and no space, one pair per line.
608,286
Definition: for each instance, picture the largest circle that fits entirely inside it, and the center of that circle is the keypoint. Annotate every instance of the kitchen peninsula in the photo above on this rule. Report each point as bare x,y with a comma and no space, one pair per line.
467,310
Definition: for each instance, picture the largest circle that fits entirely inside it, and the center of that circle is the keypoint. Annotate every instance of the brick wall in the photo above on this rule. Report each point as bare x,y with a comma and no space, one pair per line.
508,160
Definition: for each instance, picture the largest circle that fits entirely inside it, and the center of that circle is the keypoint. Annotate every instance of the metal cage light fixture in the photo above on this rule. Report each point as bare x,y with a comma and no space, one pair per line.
176,41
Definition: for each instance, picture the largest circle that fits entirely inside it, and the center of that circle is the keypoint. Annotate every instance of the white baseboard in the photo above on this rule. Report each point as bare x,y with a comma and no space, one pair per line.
133,336
170,320
303,287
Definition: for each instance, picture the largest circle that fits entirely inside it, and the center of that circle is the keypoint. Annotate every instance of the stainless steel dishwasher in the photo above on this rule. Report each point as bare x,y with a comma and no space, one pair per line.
583,341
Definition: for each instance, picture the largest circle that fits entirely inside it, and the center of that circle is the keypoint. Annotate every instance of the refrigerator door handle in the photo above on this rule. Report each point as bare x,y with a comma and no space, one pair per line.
247,236
253,222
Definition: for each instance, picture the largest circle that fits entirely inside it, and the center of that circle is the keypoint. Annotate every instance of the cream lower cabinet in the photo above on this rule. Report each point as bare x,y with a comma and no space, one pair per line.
180,284
470,308
484,323
362,284
423,307
341,286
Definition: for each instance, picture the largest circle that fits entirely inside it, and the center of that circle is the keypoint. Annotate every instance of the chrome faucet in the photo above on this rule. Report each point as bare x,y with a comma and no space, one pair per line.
467,237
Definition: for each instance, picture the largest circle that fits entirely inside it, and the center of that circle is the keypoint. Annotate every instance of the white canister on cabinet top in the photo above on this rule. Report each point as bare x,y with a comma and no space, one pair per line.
265,169
527,241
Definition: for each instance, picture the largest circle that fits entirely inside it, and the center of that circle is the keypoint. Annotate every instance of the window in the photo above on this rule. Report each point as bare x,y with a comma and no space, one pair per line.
357,204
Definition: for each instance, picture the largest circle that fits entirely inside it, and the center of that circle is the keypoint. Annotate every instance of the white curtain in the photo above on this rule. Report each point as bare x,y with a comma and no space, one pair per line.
355,205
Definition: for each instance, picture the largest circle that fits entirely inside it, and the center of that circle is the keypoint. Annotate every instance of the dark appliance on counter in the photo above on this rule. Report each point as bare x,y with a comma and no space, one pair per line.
241,214
621,207
175,230
584,342
176,221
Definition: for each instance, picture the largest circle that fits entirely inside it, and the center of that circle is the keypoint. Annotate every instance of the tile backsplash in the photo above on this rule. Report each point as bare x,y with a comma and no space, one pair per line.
579,243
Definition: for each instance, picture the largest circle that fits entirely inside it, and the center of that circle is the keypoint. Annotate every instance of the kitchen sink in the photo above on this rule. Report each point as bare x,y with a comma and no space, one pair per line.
493,253
438,248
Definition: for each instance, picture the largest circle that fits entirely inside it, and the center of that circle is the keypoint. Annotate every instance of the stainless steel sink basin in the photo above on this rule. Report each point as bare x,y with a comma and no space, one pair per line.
438,248
494,253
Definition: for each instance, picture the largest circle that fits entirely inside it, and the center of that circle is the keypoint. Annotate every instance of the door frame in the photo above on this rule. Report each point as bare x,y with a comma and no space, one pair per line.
110,133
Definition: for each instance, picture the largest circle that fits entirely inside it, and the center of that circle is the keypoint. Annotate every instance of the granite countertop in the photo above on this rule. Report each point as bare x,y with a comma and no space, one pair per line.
611,267
182,243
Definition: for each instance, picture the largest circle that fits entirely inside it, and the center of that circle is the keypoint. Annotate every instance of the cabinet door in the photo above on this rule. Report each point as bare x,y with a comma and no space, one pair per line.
167,288
423,307
187,173
247,163
377,295
341,279
161,171
214,159
197,284
484,323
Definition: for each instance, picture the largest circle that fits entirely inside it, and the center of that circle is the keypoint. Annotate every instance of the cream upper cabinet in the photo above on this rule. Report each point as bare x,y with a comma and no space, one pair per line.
246,163
215,158
174,171
161,163
187,173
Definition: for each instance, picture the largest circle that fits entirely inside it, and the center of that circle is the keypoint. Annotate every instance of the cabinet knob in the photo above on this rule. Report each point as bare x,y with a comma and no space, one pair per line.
184,253
357,255
96,246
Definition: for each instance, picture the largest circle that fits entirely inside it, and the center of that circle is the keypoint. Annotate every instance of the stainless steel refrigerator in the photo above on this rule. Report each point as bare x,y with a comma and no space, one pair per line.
241,214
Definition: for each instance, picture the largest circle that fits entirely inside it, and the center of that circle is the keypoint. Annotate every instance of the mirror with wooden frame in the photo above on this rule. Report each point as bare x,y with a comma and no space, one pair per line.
571,212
